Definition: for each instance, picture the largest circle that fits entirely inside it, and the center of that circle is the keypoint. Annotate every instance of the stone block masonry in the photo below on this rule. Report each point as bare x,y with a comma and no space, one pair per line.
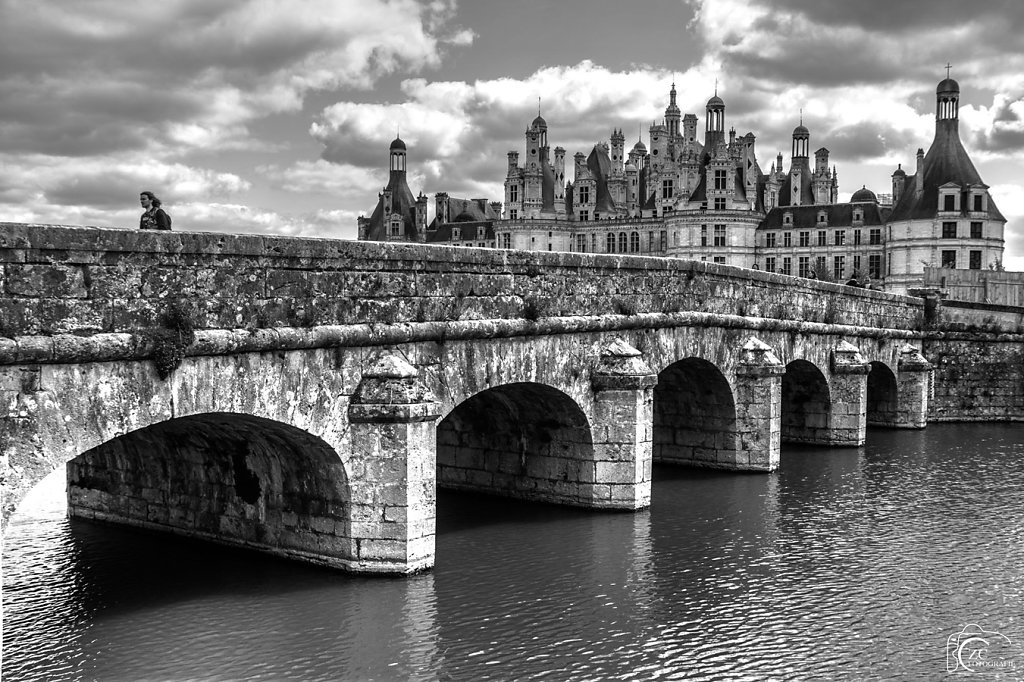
75,280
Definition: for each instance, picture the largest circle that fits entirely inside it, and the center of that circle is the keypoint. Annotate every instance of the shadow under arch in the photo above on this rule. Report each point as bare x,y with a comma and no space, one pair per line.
230,478
806,404
524,440
882,396
694,415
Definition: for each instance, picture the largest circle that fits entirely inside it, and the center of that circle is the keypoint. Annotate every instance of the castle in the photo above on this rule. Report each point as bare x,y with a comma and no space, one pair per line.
710,200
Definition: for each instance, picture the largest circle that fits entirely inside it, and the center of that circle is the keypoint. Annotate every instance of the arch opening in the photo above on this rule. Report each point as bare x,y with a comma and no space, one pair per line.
806,404
229,478
882,396
523,440
694,416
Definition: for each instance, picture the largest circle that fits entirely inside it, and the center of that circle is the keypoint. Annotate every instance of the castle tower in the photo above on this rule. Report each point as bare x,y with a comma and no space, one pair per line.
800,190
618,146
822,185
396,161
714,129
559,187
672,114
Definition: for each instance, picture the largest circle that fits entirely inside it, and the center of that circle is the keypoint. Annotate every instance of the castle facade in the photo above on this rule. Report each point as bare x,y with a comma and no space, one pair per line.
709,199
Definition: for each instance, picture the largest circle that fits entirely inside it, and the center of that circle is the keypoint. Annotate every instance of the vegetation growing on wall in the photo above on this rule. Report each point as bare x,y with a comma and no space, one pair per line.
177,331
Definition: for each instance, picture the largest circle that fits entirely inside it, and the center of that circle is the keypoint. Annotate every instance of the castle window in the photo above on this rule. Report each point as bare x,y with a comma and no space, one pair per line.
667,189
875,266
719,203
650,241
481,232
506,240
840,237
703,235
769,264
839,266
805,239
584,195
949,259
979,202
787,239
976,230
822,238
822,218
513,193
858,217
949,230
975,260
803,266
513,214
720,180
720,260
719,235
623,244
856,264
819,266
787,266
856,237
664,240
949,202
584,216
456,233
875,236
634,242
769,242
787,219
610,245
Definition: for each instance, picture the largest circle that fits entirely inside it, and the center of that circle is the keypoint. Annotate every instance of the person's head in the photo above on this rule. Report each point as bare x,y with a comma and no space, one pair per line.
148,199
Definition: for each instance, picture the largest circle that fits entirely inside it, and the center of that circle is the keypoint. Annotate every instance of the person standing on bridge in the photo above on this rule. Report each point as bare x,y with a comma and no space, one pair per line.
154,217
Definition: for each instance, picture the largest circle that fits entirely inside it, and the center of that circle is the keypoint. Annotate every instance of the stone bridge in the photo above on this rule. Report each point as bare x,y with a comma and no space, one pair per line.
307,397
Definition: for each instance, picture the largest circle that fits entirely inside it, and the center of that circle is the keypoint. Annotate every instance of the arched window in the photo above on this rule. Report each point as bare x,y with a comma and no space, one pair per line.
622,242
611,242
634,242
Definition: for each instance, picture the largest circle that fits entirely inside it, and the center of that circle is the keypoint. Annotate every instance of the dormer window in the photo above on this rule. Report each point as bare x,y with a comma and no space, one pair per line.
822,218
481,232
979,202
787,218
949,197
949,203
456,233
858,216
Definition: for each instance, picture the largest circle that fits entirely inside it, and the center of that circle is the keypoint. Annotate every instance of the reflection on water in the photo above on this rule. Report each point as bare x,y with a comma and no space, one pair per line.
849,564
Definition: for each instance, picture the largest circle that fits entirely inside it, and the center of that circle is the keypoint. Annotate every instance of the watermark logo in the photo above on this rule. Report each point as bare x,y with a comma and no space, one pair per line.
975,650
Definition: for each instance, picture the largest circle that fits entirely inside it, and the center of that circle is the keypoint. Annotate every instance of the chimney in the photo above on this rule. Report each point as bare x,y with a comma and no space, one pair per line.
919,177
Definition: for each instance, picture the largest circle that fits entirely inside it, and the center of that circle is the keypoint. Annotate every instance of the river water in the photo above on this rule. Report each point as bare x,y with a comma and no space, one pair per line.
847,564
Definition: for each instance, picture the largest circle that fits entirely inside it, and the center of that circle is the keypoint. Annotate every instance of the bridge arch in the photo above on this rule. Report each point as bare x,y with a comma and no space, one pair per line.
806,404
231,478
526,440
694,415
882,396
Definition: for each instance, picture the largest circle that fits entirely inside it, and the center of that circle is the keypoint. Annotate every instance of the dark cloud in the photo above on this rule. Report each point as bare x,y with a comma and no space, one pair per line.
886,16
1006,134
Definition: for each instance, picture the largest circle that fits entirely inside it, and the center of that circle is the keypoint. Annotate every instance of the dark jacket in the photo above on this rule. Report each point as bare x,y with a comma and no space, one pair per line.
155,219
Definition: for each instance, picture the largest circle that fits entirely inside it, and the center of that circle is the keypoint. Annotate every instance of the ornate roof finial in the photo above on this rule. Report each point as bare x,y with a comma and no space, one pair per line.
716,87
801,115
538,106
948,67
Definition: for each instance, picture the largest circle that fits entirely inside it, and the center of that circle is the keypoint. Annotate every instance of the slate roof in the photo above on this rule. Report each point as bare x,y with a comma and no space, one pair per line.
839,215
402,202
946,161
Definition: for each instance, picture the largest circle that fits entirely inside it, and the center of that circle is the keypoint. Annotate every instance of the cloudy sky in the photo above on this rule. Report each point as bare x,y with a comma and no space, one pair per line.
274,116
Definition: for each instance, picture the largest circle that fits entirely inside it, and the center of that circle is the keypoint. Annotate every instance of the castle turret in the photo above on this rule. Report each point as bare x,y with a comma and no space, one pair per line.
899,178
672,114
714,130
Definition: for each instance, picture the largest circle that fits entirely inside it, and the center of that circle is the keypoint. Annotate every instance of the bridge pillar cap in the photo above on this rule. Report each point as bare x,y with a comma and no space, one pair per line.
846,359
758,353
620,349
622,367
911,359
389,365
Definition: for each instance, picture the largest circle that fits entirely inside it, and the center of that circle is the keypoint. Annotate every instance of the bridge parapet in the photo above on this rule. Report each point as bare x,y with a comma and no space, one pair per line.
79,280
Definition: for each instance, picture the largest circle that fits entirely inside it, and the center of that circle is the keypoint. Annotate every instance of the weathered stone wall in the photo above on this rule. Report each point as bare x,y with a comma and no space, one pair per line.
977,377
521,440
85,280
